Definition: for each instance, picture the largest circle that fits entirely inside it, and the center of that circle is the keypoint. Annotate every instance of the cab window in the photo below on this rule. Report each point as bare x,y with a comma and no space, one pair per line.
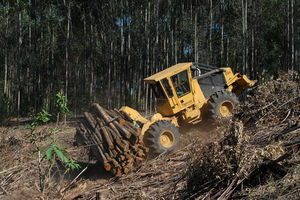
181,83
167,87
158,91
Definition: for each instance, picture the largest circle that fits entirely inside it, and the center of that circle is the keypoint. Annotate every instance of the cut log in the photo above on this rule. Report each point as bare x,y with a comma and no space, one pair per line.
107,119
115,141
106,134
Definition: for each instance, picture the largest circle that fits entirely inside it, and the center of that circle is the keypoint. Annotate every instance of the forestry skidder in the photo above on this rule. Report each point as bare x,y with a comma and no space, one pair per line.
183,93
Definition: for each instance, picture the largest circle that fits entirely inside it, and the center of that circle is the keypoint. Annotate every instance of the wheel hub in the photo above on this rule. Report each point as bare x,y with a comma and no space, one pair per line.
167,139
226,108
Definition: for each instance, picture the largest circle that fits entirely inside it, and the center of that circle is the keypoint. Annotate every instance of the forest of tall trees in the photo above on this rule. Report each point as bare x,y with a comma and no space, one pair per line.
101,50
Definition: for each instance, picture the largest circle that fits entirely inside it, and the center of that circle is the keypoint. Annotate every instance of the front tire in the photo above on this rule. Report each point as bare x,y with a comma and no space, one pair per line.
162,137
222,104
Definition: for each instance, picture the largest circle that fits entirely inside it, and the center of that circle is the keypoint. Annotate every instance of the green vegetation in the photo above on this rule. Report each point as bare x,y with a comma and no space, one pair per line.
61,104
42,117
54,150
57,150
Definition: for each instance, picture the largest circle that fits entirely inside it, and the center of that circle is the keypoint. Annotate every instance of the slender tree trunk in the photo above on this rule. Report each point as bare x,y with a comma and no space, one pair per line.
84,84
222,33
227,52
253,42
210,34
171,29
5,90
296,35
52,72
293,14
28,67
139,81
122,74
288,35
156,38
109,73
292,35
19,61
67,55
129,65
167,40
195,35
175,42
245,36
148,71
91,63
49,64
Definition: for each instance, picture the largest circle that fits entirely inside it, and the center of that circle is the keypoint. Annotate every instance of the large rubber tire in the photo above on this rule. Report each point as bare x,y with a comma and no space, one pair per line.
162,137
222,104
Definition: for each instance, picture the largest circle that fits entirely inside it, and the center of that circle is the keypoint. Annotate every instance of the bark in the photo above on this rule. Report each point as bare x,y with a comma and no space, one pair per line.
245,36
6,54
67,54
109,74
253,70
293,35
288,34
222,33
19,61
122,75
227,52
210,33
196,36
147,15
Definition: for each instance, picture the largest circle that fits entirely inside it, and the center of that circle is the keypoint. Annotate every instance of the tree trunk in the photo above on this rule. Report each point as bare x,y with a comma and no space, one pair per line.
252,75
5,89
122,74
227,52
210,34
288,35
296,34
148,71
293,38
245,36
109,74
19,61
196,36
222,33
67,55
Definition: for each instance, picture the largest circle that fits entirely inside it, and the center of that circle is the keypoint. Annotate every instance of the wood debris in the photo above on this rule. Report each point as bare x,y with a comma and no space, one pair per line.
115,141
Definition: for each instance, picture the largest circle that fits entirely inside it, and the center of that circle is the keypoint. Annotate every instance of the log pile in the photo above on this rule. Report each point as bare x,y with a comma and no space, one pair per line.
115,142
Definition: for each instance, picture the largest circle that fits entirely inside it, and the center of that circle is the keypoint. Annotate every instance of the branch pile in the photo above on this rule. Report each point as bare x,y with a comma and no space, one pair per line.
259,146
114,141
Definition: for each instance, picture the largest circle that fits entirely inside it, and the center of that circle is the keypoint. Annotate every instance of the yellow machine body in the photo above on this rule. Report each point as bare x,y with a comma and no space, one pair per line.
182,91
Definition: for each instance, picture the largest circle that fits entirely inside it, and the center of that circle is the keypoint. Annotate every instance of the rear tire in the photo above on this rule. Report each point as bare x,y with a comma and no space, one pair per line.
222,104
162,137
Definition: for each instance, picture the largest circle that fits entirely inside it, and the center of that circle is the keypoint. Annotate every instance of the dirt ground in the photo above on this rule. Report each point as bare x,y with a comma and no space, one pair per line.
19,174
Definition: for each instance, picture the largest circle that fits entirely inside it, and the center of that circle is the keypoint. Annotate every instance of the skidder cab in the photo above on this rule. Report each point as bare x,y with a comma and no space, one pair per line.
183,92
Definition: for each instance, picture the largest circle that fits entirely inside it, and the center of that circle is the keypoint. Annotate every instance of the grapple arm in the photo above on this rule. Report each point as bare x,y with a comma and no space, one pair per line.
238,83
